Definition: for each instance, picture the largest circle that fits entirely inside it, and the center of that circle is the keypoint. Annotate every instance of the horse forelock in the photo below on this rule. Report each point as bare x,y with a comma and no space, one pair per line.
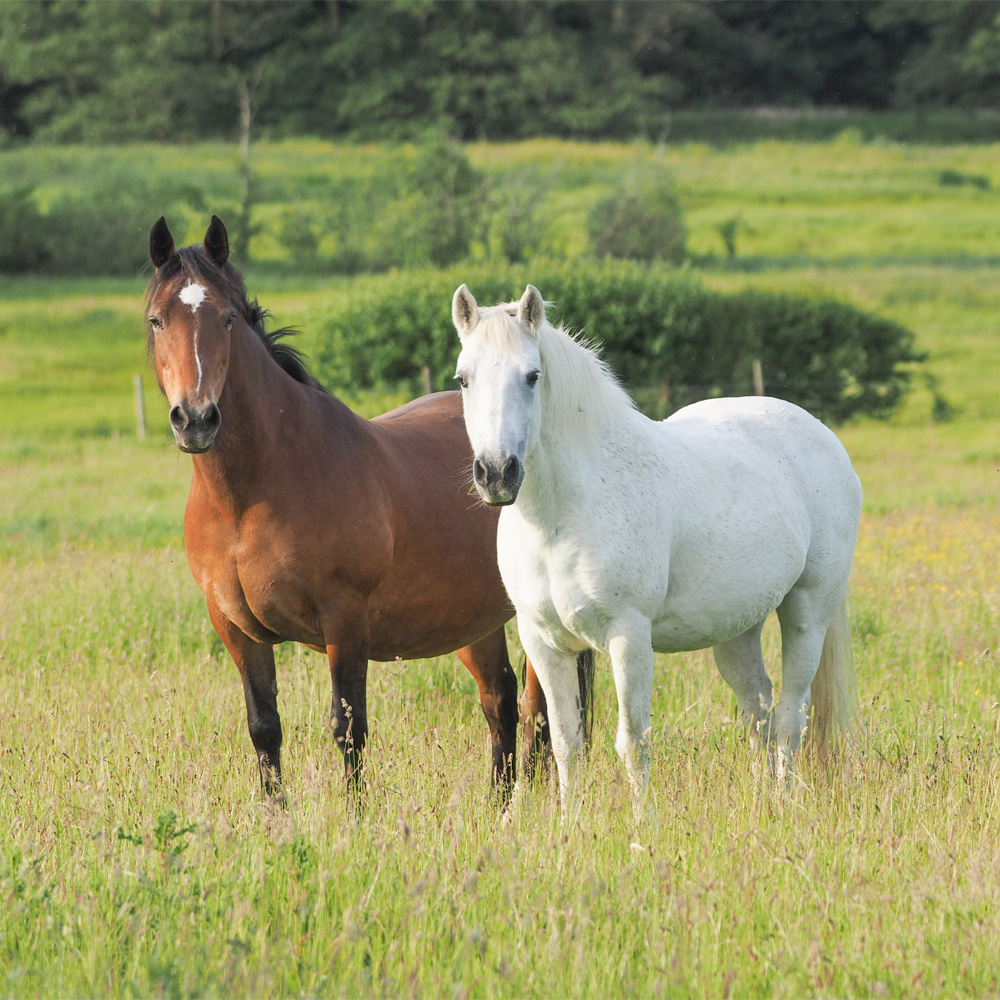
499,328
193,263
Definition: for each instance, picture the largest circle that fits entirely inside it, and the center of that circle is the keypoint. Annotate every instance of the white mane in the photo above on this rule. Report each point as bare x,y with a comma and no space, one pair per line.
580,392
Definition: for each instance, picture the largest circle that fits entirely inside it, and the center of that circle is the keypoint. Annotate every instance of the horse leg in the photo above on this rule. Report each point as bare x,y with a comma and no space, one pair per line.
556,672
535,741
489,664
805,616
348,656
741,664
631,651
255,662
536,746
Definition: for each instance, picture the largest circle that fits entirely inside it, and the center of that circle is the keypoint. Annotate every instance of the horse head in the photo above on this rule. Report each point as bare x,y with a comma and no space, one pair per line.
190,315
498,369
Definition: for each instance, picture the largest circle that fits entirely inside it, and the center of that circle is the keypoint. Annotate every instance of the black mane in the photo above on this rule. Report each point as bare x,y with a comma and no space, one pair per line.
193,262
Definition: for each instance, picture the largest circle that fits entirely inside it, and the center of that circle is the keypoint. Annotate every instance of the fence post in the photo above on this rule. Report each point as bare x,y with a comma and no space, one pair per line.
140,408
758,378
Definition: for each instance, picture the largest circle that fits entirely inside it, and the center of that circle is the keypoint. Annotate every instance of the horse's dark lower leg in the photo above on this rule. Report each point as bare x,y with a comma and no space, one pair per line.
349,714
489,664
255,662
535,744
585,678
264,723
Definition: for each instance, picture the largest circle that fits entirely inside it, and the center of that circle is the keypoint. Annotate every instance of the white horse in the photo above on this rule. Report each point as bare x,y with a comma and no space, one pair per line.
630,535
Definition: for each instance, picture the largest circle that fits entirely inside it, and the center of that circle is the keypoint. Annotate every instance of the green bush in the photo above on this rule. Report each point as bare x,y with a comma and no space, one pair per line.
642,220
671,340
23,246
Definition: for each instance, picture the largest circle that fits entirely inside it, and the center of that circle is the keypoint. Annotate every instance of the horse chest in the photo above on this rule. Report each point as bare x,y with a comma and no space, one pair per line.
551,587
250,583
264,606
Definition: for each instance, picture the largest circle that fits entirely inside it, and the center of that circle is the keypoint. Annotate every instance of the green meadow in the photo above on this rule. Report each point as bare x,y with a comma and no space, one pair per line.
137,857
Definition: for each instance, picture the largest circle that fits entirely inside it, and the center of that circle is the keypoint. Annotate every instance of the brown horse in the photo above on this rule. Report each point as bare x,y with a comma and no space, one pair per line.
306,522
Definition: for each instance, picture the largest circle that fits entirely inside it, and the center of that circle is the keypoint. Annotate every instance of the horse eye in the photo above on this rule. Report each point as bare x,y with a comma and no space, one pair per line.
156,323
532,377
229,321
462,381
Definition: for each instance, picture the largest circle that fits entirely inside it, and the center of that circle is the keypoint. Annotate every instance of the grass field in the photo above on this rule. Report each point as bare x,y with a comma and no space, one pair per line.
136,857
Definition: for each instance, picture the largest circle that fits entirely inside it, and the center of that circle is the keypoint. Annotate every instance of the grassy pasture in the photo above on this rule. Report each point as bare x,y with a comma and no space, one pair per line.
135,858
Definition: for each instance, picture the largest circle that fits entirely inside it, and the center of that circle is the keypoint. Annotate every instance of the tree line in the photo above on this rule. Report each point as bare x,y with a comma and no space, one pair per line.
89,71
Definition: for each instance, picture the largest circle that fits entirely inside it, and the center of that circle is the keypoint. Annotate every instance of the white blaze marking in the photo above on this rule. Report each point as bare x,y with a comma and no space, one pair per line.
193,295
197,360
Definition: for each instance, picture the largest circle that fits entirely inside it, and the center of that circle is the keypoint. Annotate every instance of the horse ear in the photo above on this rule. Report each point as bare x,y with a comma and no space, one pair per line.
531,309
464,310
161,243
217,242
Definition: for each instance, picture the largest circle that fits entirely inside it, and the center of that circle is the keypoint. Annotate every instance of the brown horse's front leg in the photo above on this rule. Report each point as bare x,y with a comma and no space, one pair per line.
489,664
536,746
255,662
348,655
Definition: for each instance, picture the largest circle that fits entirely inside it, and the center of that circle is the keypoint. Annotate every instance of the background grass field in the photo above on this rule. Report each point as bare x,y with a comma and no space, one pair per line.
136,857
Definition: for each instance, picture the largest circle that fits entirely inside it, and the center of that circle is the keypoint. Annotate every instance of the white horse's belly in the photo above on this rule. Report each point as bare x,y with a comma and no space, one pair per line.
723,583
678,632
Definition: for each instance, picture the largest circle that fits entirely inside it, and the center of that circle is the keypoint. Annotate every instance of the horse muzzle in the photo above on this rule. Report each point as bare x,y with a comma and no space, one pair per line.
195,426
498,482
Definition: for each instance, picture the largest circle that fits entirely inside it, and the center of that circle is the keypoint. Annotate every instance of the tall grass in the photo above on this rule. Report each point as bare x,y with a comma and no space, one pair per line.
138,858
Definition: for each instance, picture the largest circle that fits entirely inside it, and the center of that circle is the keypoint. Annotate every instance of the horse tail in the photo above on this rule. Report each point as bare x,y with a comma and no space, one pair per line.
835,687
585,676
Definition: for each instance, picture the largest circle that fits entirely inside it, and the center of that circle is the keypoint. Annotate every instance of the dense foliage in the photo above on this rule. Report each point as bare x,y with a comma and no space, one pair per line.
671,340
641,220
493,69
415,207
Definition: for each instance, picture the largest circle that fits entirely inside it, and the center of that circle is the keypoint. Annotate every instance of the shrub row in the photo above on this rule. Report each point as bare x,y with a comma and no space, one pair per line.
671,340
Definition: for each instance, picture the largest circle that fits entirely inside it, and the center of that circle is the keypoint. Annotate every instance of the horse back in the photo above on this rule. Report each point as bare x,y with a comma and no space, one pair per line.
772,440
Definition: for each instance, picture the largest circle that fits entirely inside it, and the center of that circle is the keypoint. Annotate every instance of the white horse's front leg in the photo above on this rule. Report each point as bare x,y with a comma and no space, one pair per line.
556,672
631,651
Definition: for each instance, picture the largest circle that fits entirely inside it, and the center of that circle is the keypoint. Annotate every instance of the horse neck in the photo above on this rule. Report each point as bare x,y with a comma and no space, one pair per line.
566,461
558,479
258,403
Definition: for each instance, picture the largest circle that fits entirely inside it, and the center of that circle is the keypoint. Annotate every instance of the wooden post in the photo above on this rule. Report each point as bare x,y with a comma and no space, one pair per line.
665,395
140,408
425,375
758,378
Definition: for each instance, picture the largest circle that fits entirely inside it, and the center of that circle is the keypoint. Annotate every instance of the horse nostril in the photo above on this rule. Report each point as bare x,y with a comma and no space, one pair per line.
178,418
212,417
511,470
479,473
